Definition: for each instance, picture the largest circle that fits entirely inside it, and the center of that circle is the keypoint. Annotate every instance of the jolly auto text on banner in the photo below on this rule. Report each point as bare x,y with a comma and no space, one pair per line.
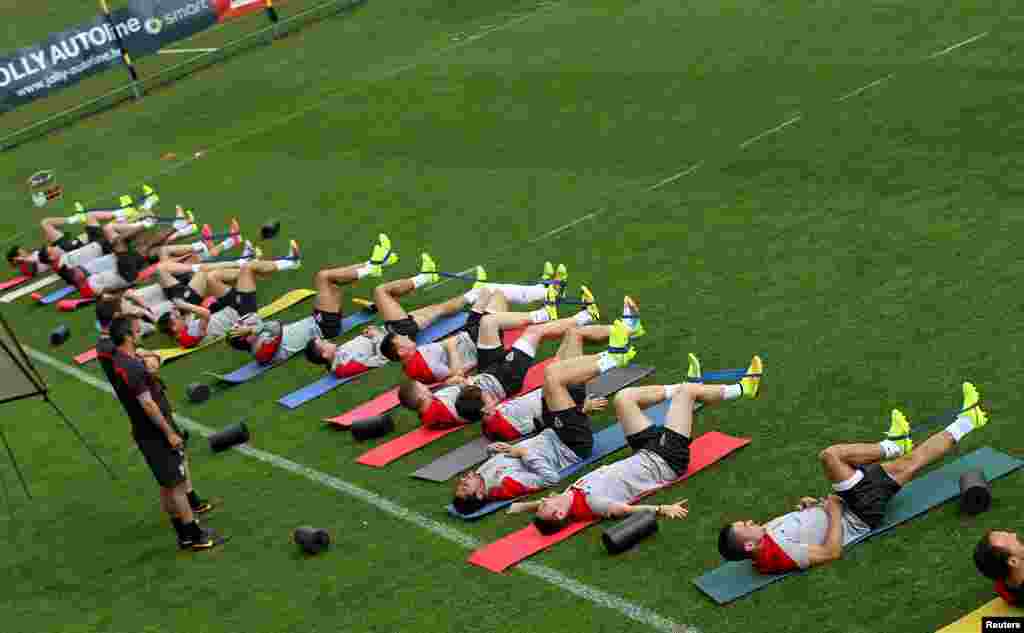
63,59
71,55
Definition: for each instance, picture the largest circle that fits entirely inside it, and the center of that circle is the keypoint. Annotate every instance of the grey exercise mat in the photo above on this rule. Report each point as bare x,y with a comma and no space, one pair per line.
736,579
475,452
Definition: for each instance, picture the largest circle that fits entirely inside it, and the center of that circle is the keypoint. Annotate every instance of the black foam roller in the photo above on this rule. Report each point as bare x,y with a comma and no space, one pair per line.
230,436
59,334
370,428
630,531
312,540
975,492
270,229
198,392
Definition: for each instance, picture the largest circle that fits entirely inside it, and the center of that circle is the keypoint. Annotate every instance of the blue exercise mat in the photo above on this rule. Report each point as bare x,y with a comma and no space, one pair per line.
254,369
439,329
736,579
57,295
606,442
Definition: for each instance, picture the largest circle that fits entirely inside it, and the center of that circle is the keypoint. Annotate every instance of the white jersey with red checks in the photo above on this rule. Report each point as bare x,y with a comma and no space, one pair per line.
795,531
507,477
359,354
431,364
623,481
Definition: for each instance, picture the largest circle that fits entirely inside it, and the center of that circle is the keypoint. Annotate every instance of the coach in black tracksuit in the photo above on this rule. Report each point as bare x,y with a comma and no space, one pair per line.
159,439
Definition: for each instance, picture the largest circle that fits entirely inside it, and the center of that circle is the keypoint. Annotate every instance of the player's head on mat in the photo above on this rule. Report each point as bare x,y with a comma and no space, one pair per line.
740,539
397,347
48,255
320,352
170,322
241,343
473,404
14,255
552,513
470,493
414,395
997,553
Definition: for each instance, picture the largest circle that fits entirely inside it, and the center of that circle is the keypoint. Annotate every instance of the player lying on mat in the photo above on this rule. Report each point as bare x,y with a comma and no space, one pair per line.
1000,556
183,271
863,484
233,304
272,341
501,374
519,417
661,454
434,362
561,409
27,262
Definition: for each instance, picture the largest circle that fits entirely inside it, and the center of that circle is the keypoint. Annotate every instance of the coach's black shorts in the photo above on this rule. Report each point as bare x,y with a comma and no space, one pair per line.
166,463
673,447
242,301
404,327
510,367
95,234
572,426
869,498
328,322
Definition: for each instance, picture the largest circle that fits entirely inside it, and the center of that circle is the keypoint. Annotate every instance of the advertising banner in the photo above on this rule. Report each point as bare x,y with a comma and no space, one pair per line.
228,9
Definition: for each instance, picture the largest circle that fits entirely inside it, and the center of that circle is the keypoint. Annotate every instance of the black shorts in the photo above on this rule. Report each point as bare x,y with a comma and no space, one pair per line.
166,463
328,322
869,498
510,369
184,292
95,234
68,244
572,426
242,301
404,327
472,326
673,447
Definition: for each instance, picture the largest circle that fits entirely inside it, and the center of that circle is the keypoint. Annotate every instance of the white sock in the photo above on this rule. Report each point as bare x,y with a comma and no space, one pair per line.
521,294
583,318
199,247
731,392
231,242
605,362
364,271
286,264
120,215
890,449
670,390
181,224
472,296
421,280
539,316
75,219
149,203
960,427
196,267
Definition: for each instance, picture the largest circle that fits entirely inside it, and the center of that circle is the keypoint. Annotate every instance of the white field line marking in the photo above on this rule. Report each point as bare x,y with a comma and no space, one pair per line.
686,172
781,126
346,91
854,93
179,51
952,48
597,596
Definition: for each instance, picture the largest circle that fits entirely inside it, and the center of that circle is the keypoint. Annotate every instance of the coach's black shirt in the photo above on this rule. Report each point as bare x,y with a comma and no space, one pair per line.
133,381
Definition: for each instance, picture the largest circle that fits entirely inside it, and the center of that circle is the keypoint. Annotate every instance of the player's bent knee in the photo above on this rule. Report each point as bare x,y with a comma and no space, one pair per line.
829,455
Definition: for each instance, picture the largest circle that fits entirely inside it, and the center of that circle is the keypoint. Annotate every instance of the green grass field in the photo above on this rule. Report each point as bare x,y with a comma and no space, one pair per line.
866,249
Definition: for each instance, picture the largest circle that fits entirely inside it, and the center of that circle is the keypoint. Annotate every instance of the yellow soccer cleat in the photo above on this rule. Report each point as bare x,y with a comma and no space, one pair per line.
551,302
124,201
588,300
549,272
429,267
631,317
899,432
972,406
618,344
693,372
481,277
751,383
382,254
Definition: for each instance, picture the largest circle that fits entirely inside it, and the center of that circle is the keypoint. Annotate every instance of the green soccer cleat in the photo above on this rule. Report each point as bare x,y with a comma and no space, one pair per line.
481,277
549,272
588,300
899,432
79,207
382,254
429,267
125,201
972,406
751,383
631,317
618,344
562,278
693,372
